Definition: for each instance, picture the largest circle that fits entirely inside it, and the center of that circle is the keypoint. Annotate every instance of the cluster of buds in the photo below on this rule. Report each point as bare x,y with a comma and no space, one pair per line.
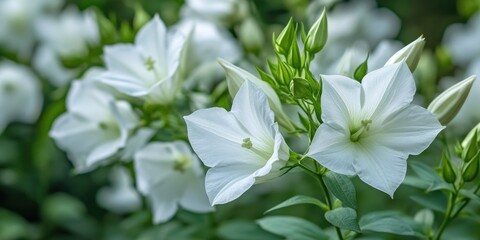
469,152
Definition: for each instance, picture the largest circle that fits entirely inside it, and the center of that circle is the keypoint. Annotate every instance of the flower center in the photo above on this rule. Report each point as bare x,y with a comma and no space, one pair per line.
355,134
182,163
248,144
8,88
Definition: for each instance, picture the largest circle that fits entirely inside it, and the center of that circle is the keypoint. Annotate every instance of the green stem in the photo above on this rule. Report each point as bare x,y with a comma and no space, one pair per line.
329,202
447,218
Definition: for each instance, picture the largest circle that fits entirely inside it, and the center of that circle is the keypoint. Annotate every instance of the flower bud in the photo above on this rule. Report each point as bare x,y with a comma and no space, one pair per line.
317,35
448,172
425,217
294,58
141,17
471,149
446,105
470,170
410,54
471,136
284,40
300,88
251,35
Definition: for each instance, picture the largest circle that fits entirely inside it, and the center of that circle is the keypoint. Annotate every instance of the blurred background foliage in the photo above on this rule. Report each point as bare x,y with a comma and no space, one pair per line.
42,198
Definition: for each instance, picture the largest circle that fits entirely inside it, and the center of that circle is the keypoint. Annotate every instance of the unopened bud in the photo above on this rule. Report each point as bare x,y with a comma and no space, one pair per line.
448,103
294,58
141,17
410,54
448,172
317,35
251,36
300,88
284,40
425,217
471,136
471,150
470,171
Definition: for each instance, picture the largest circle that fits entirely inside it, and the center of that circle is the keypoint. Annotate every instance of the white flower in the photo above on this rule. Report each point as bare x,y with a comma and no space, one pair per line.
95,126
121,196
20,94
358,24
370,129
462,40
169,174
242,147
221,11
150,68
50,67
69,34
17,18
209,42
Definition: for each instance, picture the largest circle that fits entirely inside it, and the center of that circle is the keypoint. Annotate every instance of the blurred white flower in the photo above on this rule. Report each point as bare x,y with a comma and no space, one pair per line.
17,18
355,24
20,94
221,11
170,174
95,126
121,196
462,40
361,19
49,66
152,68
209,41
242,147
356,55
371,128
69,34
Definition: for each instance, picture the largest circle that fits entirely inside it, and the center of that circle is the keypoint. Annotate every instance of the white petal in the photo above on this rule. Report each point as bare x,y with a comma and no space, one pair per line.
410,130
152,38
164,199
217,136
380,166
333,149
341,99
387,90
126,67
153,164
251,109
195,197
86,100
226,183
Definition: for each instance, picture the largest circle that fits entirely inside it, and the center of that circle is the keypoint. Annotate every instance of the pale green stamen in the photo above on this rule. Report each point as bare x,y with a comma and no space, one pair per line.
182,163
247,143
355,135
150,64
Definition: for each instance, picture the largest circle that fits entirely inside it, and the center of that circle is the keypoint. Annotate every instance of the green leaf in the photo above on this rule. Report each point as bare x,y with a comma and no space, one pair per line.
470,195
342,188
434,200
12,226
385,222
299,199
361,70
292,228
345,218
243,229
